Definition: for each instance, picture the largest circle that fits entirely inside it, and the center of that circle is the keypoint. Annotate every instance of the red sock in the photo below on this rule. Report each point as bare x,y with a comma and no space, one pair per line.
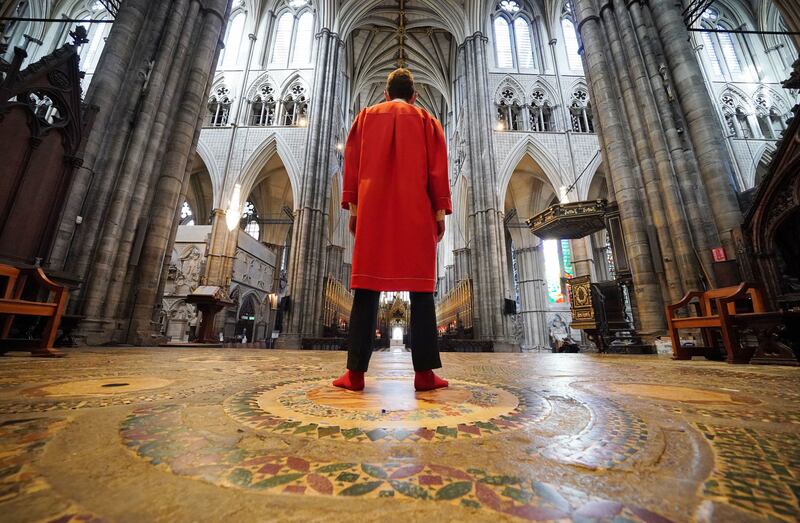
427,380
350,380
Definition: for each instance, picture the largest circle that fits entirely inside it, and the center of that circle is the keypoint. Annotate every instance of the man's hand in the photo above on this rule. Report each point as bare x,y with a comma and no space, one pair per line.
352,225
439,230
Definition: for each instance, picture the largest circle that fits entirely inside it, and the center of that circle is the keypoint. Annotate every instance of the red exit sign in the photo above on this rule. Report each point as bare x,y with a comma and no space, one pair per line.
719,254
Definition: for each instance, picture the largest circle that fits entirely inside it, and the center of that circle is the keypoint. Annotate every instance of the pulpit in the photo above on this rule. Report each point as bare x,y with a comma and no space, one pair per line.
601,310
209,300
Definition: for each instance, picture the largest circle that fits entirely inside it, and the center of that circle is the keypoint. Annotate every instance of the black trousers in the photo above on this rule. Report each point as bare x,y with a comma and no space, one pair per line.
363,319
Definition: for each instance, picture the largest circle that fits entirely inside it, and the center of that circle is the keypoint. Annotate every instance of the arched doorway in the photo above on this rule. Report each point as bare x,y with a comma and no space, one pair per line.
393,320
246,319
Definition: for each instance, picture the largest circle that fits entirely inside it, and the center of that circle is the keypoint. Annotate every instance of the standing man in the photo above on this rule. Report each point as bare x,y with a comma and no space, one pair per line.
397,190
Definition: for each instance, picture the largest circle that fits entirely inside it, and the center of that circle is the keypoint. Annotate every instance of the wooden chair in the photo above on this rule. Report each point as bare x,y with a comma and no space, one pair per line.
715,309
12,305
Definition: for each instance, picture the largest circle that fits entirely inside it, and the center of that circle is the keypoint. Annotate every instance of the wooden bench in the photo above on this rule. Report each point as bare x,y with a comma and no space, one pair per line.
12,305
715,309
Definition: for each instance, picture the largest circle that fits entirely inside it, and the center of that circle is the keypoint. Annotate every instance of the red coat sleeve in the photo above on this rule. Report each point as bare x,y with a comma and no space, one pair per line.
352,160
438,180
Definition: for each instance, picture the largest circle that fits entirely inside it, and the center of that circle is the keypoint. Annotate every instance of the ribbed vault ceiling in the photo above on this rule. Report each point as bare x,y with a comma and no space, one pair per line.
398,33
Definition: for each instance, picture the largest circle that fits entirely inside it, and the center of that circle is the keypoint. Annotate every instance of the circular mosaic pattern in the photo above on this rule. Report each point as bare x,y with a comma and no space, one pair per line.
100,387
387,408
159,435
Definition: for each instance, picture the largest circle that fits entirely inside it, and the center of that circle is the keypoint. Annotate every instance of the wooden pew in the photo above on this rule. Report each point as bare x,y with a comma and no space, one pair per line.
12,304
715,309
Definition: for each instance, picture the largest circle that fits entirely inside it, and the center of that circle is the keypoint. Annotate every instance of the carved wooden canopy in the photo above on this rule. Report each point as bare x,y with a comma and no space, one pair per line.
40,134
775,207
569,220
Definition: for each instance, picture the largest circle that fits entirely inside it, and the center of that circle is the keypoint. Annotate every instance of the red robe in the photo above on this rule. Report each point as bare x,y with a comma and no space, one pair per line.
395,170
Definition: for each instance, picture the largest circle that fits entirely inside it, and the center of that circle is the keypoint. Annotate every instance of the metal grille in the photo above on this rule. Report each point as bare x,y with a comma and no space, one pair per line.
694,10
112,6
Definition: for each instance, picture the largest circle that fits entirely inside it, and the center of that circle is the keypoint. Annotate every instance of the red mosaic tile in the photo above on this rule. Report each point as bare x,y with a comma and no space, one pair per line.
297,464
406,471
321,484
430,480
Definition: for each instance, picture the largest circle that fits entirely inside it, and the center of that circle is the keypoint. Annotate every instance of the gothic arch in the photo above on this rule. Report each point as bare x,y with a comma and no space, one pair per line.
551,167
545,86
513,83
292,79
272,145
214,172
263,78
761,162
742,98
584,189
775,98
577,84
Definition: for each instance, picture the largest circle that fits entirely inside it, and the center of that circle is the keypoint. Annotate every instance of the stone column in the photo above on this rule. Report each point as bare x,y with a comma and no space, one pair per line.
129,194
582,258
148,93
649,153
611,128
715,165
307,263
490,279
692,191
113,93
533,296
173,177
462,264
221,251
334,262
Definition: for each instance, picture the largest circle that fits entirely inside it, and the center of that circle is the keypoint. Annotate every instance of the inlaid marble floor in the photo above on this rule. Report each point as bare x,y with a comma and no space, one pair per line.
260,435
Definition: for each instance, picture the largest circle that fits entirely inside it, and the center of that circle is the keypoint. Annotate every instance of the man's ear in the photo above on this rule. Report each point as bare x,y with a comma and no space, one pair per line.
413,98
386,95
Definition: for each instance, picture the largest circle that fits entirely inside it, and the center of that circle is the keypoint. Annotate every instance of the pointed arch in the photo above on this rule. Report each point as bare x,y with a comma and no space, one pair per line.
762,159
736,112
586,187
293,78
550,165
272,145
541,109
214,171
295,100
263,78
509,82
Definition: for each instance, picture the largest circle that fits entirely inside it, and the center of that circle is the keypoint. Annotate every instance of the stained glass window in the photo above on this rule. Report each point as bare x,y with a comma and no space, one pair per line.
509,6
552,271
571,42
522,32
502,43
233,42
283,39
711,52
304,39
187,217
729,52
250,220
